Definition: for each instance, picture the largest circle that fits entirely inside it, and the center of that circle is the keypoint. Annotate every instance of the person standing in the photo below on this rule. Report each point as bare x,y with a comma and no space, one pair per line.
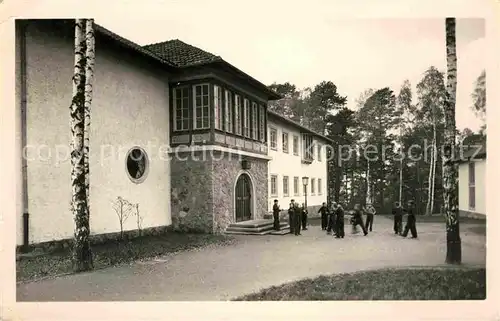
323,210
297,218
291,216
411,222
276,215
339,222
304,213
331,219
370,213
358,219
397,211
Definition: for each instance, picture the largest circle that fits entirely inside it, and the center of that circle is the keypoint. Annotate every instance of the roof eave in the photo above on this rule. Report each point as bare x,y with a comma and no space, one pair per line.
295,124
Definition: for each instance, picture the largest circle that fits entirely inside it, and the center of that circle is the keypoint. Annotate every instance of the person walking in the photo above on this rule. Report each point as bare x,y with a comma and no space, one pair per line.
304,213
276,215
358,219
331,219
291,216
397,211
339,222
297,218
323,210
411,222
370,213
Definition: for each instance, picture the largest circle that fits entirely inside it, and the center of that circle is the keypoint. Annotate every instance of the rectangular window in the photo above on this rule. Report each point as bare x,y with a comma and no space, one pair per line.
273,138
313,186
296,186
181,109
307,147
274,185
285,185
319,153
228,112
320,189
218,107
255,125
295,145
262,123
284,142
201,99
237,114
246,118
472,185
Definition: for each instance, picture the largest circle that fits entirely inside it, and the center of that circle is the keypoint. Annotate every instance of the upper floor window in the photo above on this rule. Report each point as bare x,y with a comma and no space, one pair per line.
181,108
201,106
228,111
296,186
313,186
262,122
273,138
237,114
307,147
319,153
320,187
255,127
284,138
218,107
296,145
246,118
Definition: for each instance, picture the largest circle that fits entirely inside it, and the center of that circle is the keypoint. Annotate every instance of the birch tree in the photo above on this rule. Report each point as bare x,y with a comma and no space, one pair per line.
450,170
82,254
89,76
431,95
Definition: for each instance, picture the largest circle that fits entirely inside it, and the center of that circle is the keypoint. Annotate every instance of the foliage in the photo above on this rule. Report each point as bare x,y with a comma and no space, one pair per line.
479,96
387,284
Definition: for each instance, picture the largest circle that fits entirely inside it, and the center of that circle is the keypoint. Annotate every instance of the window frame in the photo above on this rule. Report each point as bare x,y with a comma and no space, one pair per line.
271,130
275,177
195,107
284,146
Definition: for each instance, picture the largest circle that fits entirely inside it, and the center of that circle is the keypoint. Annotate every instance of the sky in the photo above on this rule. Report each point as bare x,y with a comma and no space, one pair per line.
304,46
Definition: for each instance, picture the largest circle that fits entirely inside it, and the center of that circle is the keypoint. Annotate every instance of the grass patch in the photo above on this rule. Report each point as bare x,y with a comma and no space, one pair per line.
115,253
387,284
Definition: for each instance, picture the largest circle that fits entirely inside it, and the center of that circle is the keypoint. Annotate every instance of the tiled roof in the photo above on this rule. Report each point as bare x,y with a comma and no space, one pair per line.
296,124
181,53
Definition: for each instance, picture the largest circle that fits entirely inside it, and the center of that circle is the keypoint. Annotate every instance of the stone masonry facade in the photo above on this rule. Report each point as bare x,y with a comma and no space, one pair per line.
203,190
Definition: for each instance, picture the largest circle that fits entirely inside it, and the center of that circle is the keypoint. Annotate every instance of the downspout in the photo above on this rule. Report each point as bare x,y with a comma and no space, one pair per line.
24,163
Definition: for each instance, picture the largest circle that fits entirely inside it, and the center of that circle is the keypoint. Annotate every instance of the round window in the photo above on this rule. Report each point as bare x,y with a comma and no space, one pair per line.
137,165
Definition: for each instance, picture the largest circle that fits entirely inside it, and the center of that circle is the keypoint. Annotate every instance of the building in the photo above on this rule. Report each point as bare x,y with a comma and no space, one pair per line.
296,152
472,182
175,130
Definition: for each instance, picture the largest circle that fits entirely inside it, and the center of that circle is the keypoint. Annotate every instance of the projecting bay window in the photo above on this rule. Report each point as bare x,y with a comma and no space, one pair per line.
201,106
181,109
262,123
218,115
255,127
237,114
307,148
228,111
246,118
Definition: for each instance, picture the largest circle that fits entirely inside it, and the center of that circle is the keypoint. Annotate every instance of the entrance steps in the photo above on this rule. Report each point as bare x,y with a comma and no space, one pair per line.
257,227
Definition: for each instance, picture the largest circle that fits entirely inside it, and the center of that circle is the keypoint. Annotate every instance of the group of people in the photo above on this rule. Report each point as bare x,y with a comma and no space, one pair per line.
332,218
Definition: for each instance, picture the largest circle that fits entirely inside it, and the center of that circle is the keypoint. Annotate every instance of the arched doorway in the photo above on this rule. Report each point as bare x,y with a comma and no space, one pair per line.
243,198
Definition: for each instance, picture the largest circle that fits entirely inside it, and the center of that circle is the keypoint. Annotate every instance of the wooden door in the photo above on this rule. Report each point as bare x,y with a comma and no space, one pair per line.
243,197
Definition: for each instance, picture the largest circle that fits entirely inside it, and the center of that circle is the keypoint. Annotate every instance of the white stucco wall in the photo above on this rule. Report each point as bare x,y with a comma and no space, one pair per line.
288,164
130,107
480,182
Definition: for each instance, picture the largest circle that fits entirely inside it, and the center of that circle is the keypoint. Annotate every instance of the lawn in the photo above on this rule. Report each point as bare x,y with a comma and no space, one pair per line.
446,283
115,253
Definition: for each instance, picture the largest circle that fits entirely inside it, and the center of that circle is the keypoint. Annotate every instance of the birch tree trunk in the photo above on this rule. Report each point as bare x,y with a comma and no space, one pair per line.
450,170
368,189
89,76
82,255
434,158
429,184
401,167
